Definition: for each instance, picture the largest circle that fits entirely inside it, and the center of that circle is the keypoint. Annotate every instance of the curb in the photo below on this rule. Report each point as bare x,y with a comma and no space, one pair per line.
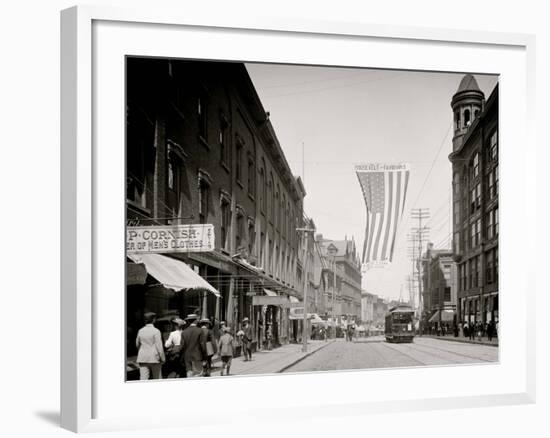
490,344
286,367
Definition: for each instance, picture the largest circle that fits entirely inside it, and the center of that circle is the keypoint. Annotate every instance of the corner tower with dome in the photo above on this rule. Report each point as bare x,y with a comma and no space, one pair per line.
475,201
467,103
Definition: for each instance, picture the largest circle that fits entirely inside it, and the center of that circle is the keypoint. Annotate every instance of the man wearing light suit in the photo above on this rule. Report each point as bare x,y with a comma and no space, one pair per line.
150,351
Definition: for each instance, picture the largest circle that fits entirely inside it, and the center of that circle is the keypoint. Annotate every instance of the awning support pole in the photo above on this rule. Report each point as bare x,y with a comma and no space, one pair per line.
229,313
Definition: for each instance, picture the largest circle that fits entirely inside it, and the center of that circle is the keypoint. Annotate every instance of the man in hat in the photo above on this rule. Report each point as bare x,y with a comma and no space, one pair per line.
211,346
247,339
194,347
150,352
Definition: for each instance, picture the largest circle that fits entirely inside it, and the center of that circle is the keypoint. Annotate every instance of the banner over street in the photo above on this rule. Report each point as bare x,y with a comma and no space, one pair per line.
384,187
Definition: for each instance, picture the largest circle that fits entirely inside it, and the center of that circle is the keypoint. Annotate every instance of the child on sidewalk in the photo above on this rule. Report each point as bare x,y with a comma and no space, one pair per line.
225,348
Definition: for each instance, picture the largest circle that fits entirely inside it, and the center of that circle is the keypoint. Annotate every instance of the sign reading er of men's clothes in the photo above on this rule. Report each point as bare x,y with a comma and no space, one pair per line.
170,238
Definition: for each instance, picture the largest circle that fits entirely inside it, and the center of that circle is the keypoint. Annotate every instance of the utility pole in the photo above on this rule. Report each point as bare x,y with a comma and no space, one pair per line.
422,234
412,250
305,230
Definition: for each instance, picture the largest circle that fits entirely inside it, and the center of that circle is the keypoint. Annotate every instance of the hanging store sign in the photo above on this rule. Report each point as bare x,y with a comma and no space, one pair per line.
298,313
136,274
170,238
260,300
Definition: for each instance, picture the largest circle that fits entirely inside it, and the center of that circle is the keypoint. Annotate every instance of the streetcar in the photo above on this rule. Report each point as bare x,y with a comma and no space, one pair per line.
400,324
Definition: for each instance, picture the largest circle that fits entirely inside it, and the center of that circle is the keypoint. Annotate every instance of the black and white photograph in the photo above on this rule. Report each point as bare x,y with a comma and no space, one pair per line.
302,218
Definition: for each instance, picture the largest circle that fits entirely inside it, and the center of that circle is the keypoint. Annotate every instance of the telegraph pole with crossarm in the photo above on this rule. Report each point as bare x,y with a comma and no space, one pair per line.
421,234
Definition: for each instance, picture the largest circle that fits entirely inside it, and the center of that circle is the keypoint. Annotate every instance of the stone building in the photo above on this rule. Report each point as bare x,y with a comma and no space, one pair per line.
345,274
475,201
367,308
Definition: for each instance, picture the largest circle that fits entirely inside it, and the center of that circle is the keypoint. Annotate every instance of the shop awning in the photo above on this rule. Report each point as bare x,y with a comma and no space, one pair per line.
446,316
270,293
172,273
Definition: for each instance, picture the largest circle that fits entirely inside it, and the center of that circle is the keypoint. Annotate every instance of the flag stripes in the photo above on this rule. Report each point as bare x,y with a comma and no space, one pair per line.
384,189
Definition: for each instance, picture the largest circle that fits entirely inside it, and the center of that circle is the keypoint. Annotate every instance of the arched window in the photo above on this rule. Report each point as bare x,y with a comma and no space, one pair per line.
466,117
457,119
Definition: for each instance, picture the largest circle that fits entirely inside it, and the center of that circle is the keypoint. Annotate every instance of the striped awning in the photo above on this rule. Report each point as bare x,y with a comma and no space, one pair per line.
172,273
446,316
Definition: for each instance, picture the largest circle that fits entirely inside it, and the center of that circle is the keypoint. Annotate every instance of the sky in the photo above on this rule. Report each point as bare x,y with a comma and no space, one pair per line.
339,117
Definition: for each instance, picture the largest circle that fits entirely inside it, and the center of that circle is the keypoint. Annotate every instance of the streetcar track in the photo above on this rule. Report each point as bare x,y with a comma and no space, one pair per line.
418,347
384,359
455,353
405,354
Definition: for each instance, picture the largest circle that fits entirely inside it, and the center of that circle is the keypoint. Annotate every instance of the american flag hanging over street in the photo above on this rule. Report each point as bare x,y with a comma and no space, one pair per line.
384,188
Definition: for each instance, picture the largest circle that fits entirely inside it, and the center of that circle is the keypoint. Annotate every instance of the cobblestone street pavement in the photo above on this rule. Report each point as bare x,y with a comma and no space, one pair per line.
376,353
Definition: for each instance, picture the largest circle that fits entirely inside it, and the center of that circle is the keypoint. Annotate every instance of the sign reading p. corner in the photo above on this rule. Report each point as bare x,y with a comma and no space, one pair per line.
169,238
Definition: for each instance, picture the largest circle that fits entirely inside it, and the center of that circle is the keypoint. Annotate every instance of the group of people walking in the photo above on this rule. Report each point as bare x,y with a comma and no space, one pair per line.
477,330
189,349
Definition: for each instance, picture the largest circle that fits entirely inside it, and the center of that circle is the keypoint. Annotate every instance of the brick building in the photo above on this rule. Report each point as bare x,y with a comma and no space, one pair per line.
475,200
439,287
201,149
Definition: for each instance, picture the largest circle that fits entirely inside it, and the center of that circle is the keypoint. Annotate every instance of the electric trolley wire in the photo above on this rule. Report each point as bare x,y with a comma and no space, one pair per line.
320,90
400,230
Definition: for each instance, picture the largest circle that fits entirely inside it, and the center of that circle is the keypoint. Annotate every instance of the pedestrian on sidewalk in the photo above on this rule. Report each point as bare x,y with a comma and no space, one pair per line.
211,346
174,350
269,336
472,332
226,350
150,351
493,329
194,347
479,331
247,339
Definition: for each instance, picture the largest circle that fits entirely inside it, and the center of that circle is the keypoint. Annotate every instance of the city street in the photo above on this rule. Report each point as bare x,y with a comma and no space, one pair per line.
374,352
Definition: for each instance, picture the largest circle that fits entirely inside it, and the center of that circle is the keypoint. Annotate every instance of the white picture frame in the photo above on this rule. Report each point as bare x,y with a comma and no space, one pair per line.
88,403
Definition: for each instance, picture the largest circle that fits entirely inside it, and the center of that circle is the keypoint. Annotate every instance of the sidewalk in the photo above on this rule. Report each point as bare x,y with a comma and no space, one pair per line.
271,361
461,338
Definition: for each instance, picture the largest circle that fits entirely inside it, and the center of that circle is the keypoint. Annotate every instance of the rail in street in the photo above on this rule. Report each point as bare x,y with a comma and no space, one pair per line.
376,353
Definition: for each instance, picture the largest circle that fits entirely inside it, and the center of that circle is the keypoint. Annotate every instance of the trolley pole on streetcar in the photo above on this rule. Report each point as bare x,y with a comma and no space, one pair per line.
304,330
